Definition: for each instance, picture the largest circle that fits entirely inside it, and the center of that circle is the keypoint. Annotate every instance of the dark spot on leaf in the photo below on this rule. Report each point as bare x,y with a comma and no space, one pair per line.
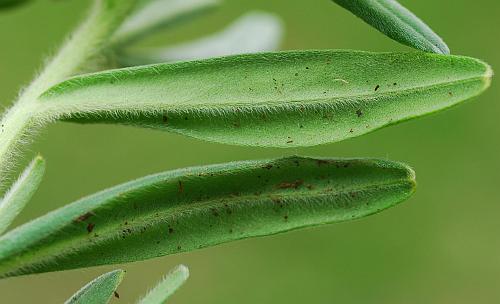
307,68
170,230
268,167
84,217
90,227
165,118
359,112
179,247
450,93
285,217
116,295
181,187
321,162
289,142
351,131
395,84
296,74
377,87
291,185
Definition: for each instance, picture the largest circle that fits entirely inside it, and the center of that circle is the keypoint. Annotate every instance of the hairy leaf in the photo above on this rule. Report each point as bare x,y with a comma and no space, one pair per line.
155,14
197,207
21,192
253,32
168,285
397,22
283,99
99,291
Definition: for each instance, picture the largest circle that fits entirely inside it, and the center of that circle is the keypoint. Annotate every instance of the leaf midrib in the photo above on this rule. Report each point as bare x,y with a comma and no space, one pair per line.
95,107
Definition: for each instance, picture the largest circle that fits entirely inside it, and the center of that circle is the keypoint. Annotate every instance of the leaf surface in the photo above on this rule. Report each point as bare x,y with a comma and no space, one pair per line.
192,208
155,14
168,285
251,33
283,99
396,22
21,193
99,291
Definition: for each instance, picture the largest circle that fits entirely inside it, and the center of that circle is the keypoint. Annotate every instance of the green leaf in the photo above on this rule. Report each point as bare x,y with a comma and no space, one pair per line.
284,99
397,22
99,291
251,33
168,285
21,192
155,14
192,208
11,3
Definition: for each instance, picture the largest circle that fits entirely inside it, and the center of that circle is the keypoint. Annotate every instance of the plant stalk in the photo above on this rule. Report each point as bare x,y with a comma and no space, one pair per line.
22,119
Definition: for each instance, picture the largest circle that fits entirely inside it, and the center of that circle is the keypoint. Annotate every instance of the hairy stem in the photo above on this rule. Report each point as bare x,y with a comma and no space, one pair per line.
21,120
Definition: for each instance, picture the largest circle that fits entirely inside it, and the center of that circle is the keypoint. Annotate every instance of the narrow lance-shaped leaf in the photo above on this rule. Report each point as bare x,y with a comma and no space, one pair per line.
253,32
168,285
156,14
21,192
283,99
197,207
397,22
99,291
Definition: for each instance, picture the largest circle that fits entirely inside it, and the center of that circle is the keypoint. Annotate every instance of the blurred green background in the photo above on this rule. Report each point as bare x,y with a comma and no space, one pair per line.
441,246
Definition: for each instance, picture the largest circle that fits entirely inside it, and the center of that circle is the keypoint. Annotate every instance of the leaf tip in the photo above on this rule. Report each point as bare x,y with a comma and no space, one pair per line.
183,270
39,161
442,48
120,273
412,180
488,75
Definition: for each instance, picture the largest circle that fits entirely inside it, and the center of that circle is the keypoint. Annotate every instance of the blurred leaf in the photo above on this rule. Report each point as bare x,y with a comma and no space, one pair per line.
197,207
155,14
168,285
285,99
11,3
21,192
253,32
397,22
99,291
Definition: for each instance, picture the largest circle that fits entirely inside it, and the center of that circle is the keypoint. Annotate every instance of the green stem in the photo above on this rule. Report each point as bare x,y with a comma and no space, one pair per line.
21,120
